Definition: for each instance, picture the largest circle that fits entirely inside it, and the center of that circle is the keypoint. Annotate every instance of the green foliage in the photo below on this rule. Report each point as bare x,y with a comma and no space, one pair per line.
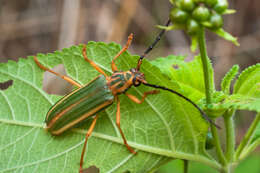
245,96
222,33
226,81
248,82
162,128
246,90
188,75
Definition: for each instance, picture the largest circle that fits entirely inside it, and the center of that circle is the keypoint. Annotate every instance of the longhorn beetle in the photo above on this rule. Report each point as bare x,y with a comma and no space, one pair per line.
88,100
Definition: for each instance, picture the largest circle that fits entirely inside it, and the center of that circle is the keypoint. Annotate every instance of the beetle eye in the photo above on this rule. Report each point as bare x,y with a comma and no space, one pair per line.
136,82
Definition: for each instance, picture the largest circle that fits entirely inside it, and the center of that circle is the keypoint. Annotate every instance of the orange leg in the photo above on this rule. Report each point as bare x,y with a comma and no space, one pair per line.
84,52
57,74
118,125
113,65
90,130
136,100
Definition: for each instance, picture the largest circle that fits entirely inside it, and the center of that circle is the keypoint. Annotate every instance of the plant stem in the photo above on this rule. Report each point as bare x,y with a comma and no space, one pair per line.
230,135
219,151
247,138
209,91
185,166
205,64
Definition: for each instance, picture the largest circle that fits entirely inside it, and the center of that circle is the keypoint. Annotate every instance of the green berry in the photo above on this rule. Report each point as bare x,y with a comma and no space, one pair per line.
192,26
187,5
221,6
216,20
201,13
211,3
179,16
199,1
209,141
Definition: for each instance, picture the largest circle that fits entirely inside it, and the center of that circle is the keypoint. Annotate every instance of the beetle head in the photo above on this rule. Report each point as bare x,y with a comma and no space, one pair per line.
138,78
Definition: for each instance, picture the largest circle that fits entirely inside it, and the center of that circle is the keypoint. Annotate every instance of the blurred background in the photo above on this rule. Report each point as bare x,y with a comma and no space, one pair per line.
28,27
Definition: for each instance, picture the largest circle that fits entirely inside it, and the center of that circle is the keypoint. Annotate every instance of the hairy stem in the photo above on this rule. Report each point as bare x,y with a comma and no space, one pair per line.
217,144
205,64
209,91
247,138
230,135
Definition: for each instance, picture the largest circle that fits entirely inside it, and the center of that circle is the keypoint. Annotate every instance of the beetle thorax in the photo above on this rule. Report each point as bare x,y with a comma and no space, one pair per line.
120,82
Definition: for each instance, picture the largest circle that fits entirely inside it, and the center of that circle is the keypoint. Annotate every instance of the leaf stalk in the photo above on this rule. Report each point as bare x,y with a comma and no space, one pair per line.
248,137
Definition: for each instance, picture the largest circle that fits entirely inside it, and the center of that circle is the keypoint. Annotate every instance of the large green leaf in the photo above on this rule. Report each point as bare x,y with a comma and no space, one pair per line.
162,128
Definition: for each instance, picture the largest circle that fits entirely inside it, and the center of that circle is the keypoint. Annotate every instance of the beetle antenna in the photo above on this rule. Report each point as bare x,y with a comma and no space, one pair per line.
158,38
187,99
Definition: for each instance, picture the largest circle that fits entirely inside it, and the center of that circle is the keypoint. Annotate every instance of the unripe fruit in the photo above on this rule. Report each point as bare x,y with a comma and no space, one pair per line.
201,13
211,3
216,20
199,1
209,141
179,16
221,6
187,5
192,26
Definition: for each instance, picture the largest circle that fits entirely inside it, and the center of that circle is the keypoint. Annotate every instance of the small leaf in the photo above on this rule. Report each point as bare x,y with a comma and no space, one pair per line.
248,82
220,32
238,101
165,126
226,81
229,11
171,27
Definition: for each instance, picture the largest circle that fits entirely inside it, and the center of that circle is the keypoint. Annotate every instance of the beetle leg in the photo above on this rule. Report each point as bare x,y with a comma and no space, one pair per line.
118,125
84,52
66,78
113,65
90,130
136,100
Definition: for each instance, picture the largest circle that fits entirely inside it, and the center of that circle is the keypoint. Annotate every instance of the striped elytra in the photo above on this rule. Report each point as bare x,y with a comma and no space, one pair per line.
82,103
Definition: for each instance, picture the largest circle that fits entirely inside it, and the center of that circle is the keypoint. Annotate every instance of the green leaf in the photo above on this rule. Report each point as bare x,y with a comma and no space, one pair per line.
162,128
166,64
248,82
220,32
226,81
188,75
238,101
246,91
229,11
171,27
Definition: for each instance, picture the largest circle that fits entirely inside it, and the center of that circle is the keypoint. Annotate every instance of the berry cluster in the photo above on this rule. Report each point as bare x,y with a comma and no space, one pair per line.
193,14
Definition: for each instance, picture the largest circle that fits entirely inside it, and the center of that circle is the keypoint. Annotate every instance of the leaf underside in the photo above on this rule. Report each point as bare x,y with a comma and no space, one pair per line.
162,128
